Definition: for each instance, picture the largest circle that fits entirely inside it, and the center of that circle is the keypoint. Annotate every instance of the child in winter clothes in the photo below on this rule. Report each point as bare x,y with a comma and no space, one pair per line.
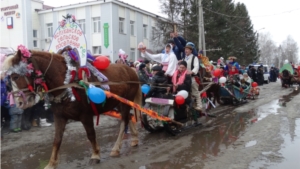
15,118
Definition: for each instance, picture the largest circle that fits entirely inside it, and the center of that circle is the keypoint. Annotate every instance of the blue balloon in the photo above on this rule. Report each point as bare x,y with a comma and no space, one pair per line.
96,95
145,89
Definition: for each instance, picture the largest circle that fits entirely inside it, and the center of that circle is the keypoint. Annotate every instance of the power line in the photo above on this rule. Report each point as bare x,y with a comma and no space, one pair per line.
249,16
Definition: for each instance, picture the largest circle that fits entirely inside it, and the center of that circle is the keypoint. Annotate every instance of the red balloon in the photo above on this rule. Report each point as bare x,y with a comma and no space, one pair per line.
101,62
217,72
254,84
179,100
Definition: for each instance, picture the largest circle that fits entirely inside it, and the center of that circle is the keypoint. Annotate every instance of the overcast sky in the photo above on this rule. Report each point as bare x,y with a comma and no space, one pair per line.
280,23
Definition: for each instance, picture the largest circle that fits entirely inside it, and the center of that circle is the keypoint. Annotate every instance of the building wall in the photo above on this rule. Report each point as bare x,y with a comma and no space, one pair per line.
109,12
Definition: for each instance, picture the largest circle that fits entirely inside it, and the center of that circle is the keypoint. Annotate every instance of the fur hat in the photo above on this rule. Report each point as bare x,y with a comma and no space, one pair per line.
232,57
142,65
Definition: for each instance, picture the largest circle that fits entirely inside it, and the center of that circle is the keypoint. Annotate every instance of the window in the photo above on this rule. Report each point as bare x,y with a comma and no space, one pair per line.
97,25
153,31
35,33
50,29
96,49
81,24
132,28
35,43
145,31
121,25
132,54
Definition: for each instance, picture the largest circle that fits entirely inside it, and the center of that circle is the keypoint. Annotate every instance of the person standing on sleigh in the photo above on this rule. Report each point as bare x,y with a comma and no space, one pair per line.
167,59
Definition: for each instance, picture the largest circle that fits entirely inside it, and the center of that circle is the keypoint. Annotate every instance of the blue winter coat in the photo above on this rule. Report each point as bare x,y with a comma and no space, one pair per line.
3,93
179,48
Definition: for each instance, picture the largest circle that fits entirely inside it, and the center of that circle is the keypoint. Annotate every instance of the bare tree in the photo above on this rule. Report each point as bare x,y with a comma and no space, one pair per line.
290,50
268,49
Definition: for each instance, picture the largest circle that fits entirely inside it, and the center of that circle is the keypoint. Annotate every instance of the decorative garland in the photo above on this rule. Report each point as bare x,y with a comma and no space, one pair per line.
99,75
69,75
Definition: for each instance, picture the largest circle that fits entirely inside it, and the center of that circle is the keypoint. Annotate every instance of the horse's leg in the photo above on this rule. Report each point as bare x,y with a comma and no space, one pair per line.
60,124
91,134
134,134
116,149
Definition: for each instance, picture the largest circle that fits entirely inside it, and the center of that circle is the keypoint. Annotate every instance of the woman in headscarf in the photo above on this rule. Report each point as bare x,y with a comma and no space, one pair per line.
167,59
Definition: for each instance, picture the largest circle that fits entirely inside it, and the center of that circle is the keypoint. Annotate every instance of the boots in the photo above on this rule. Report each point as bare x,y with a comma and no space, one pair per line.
43,123
34,123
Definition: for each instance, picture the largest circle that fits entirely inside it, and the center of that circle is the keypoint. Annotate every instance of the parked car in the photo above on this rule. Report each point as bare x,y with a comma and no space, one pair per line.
266,73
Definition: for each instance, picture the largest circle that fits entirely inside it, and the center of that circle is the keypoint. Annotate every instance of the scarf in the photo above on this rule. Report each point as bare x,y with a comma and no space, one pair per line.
180,80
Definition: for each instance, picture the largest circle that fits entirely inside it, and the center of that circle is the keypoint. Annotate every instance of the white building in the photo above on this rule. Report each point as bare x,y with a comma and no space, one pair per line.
32,23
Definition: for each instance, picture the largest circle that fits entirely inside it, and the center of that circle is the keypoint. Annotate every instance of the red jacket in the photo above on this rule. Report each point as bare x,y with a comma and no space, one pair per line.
233,72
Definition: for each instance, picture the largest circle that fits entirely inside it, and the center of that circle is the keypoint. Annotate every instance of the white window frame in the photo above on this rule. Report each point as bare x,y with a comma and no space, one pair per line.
36,44
132,54
97,50
145,31
34,31
81,24
132,28
121,25
49,30
96,25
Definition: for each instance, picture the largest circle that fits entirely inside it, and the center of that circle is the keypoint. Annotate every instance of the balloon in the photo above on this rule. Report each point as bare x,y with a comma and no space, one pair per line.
96,95
145,89
217,72
101,62
223,80
183,93
179,100
254,84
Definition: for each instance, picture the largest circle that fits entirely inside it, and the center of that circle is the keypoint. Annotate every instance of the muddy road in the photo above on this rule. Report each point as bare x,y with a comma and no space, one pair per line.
264,133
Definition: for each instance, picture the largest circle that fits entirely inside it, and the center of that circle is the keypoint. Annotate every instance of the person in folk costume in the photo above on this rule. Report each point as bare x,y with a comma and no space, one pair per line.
193,69
181,79
122,58
167,59
232,62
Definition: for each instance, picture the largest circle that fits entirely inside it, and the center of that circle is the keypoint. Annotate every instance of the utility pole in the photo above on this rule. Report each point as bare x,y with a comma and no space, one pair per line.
201,29
200,24
203,34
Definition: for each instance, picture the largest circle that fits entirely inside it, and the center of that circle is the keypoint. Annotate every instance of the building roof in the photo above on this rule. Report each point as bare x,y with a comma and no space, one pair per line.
96,2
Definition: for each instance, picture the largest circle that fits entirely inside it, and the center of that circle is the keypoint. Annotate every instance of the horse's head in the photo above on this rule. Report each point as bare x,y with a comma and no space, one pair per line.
18,67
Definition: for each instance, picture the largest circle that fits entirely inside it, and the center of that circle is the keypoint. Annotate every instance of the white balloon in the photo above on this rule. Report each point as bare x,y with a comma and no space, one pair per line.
286,61
223,80
183,93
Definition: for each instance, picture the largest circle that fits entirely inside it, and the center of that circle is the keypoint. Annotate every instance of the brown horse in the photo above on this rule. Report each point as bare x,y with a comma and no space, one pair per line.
78,110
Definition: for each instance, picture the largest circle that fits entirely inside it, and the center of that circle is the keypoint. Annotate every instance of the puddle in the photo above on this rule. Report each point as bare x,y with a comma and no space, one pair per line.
268,109
251,143
286,157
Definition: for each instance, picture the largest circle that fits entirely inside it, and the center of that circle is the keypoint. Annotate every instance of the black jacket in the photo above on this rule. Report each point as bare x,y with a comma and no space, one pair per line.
143,77
186,85
158,80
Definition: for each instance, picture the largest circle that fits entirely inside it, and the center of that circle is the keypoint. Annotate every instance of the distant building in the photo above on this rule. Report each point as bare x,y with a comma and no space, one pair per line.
32,23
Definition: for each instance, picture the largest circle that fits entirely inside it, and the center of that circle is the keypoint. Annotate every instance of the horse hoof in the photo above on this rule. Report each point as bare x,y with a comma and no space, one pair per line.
134,143
49,167
115,153
94,161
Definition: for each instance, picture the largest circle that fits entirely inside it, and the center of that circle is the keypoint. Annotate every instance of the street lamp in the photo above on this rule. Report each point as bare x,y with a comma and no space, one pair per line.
260,29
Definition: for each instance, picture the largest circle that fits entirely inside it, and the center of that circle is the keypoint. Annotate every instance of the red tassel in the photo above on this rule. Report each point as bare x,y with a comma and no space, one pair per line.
44,86
30,87
95,112
76,94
